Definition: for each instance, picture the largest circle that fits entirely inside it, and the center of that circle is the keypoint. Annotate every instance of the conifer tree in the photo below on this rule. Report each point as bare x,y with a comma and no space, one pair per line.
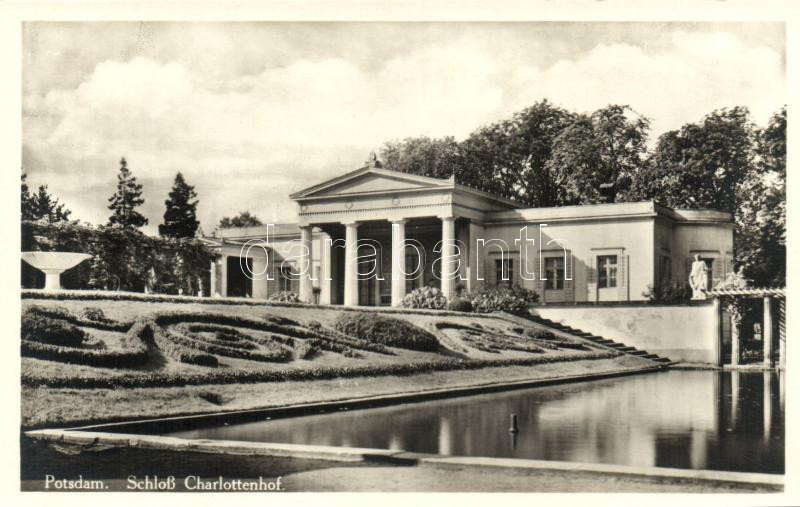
125,200
180,217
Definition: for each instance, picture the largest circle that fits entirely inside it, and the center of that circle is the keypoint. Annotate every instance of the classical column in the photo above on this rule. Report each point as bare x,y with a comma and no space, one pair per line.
398,261
224,285
306,263
476,232
448,262
767,404
717,326
350,266
326,272
781,333
766,332
212,289
734,341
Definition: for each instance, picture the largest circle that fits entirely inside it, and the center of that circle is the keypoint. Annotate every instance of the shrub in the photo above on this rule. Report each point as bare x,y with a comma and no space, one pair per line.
670,292
513,300
460,305
285,296
38,328
425,297
386,331
95,314
306,349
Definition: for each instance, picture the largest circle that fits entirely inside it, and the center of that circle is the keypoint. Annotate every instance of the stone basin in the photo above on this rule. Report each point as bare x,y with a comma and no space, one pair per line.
53,264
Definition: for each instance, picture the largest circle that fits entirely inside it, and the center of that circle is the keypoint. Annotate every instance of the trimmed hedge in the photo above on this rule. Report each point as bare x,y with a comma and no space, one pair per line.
59,313
47,330
153,298
89,357
386,331
276,354
147,332
460,305
257,376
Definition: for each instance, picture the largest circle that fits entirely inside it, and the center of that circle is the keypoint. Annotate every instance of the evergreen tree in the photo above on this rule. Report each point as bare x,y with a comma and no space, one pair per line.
180,217
41,205
125,201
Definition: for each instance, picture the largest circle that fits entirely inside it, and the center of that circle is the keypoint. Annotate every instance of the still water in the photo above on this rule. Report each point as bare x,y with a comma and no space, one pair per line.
679,419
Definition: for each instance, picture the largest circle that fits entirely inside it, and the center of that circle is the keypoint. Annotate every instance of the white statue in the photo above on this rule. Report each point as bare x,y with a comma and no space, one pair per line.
698,279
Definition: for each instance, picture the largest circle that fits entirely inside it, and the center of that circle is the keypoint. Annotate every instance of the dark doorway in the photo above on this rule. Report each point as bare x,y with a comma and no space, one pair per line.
239,284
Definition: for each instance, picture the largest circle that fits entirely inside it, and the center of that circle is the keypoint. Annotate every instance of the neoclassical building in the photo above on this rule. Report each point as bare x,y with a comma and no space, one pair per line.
372,235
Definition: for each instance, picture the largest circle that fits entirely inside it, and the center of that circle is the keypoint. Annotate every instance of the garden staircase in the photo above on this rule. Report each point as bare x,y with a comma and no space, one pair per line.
621,347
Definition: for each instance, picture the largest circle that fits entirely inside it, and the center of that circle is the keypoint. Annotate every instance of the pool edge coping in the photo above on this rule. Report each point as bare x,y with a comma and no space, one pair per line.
355,454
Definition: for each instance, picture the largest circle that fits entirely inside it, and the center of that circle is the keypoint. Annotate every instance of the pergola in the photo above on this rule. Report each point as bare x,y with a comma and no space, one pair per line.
767,294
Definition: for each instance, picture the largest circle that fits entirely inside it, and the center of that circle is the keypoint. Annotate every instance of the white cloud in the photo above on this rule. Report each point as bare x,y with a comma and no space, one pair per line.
247,141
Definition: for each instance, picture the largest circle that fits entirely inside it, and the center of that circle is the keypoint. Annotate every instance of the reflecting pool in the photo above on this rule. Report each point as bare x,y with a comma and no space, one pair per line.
675,418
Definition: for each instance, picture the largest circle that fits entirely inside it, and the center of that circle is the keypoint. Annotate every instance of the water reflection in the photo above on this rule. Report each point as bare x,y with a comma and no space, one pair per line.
684,419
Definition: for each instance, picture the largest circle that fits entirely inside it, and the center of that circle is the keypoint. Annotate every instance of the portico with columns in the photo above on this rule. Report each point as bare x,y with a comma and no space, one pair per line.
390,232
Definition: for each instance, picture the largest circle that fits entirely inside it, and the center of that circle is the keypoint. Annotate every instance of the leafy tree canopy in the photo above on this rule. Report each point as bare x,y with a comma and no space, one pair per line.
243,219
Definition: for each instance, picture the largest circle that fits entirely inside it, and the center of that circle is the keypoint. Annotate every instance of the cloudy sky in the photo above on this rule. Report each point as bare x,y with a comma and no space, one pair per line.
251,112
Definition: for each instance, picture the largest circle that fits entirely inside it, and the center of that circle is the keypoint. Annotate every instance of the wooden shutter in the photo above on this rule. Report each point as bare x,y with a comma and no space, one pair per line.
569,272
539,282
591,278
622,277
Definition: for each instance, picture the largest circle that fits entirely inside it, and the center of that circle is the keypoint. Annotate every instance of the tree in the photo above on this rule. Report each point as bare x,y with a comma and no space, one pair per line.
506,158
243,219
125,200
606,148
180,217
725,162
423,156
41,205
761,217
702,165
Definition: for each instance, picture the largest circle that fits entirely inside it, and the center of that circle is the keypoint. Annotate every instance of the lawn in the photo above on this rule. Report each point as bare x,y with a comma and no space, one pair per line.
195,358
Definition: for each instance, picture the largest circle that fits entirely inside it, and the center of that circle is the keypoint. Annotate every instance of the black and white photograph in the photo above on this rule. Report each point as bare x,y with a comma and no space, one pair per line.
276,256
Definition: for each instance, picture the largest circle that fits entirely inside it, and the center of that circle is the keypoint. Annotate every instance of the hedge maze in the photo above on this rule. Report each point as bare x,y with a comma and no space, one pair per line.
203,339
177,348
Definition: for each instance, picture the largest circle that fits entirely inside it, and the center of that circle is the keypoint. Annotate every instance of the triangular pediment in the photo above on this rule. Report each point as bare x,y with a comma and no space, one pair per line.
371,181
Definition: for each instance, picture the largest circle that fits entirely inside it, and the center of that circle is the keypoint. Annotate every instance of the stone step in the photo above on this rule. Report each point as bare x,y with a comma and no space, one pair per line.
621,347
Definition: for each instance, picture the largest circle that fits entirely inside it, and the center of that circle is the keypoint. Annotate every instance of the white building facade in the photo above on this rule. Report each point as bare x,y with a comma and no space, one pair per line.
370,236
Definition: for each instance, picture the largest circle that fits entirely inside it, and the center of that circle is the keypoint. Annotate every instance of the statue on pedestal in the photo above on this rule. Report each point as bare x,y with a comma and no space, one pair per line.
698,279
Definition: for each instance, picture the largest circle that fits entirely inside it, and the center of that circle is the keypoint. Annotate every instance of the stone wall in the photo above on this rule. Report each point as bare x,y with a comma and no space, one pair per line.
681,333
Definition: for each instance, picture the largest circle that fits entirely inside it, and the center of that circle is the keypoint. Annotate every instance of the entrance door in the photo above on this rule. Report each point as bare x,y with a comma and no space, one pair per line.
239,284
